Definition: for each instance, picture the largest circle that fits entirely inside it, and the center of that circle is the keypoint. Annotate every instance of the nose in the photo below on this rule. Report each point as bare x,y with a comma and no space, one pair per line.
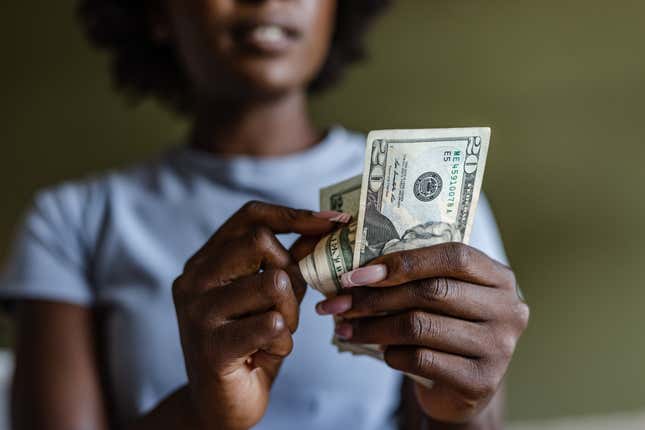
263,4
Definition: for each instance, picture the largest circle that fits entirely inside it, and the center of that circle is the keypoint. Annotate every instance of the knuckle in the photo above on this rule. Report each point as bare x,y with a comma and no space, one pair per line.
468,406
422,359
290,214
506,345
523,315
252,207
486,388
194,262
178,290
261,237
405,262
471,400
482,385
458,256
190,263
288,348
435,289
202,280
415,326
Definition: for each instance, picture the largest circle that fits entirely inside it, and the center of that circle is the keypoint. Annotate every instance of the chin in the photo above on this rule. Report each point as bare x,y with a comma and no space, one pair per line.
267,77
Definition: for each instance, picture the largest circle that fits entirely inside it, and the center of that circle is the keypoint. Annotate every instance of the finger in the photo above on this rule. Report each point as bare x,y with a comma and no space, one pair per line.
238,340
280,347
418,328
281,219
458,372
270,358
253,295
304,246
448,260
444,403
438,295
298,283
256,249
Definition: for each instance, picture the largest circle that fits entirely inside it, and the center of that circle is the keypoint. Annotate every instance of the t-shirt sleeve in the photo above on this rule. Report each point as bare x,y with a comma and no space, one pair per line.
48,259
485,235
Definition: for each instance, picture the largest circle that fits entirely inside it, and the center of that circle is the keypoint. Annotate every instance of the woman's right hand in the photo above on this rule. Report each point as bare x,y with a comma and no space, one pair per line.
237,307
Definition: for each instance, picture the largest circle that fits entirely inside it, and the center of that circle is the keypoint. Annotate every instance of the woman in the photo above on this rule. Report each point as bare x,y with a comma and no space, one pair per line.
130,316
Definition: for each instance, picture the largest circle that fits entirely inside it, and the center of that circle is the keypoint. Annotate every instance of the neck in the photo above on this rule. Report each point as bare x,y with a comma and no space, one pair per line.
270,127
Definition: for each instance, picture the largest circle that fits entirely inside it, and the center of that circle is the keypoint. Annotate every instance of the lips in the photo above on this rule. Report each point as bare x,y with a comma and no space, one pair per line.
265,37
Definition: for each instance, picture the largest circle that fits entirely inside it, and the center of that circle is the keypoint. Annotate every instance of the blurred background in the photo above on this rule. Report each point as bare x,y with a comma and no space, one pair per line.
562,84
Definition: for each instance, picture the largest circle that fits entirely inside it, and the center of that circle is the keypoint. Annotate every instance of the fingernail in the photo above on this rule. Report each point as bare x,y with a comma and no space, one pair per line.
283,280
364,276
333,216
342,218
334,306
344,331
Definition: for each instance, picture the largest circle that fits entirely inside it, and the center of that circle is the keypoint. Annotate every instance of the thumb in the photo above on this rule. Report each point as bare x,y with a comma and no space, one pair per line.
300,249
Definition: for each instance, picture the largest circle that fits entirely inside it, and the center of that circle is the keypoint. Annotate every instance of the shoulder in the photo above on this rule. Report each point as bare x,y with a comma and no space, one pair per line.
54,246
76,206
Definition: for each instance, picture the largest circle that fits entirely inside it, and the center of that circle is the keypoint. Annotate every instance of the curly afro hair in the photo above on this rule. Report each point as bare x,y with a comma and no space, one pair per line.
142,67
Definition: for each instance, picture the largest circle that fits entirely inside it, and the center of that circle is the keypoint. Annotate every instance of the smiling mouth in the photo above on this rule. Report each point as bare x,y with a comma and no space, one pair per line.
265,38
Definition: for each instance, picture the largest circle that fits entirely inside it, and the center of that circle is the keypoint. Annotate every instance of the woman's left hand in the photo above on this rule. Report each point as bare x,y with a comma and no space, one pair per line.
448,313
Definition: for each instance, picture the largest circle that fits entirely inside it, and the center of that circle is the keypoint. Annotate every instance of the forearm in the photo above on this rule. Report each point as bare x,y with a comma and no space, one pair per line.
173,413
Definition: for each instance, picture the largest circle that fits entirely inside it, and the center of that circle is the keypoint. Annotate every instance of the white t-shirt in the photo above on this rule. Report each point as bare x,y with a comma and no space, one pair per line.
117,242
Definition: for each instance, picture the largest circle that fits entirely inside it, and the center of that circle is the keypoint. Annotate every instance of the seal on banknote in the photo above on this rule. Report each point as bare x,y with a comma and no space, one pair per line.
428,186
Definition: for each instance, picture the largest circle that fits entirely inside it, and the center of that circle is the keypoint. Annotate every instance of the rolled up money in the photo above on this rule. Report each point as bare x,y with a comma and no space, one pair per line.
334,254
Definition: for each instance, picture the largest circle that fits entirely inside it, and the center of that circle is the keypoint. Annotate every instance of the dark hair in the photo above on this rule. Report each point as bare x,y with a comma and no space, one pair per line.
142,67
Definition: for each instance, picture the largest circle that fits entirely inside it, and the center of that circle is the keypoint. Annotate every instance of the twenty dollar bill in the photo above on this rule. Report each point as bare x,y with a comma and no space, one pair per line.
419,188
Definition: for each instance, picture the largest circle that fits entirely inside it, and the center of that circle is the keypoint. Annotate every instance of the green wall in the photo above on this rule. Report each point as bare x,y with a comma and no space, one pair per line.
562,83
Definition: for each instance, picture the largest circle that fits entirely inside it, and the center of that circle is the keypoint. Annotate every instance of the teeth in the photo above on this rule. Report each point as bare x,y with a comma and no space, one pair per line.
269,33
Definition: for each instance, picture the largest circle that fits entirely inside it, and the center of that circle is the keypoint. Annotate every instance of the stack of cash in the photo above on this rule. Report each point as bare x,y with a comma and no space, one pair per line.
418,188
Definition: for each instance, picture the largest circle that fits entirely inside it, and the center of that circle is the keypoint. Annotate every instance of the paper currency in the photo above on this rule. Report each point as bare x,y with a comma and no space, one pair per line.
419,188
334,254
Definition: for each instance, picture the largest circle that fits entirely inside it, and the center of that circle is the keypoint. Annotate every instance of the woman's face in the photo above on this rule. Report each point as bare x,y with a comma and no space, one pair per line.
238,48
